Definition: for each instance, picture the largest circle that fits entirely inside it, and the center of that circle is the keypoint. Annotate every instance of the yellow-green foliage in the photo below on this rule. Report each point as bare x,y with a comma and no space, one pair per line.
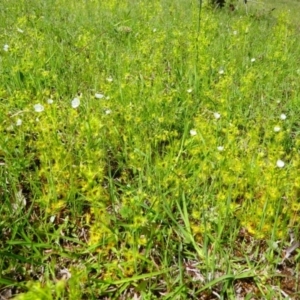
166,108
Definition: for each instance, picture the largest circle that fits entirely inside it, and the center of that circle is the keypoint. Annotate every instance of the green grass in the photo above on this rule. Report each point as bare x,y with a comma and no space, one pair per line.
277,6
147,155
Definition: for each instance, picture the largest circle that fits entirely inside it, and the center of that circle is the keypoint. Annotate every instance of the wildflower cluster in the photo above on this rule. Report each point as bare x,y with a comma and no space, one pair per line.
122,124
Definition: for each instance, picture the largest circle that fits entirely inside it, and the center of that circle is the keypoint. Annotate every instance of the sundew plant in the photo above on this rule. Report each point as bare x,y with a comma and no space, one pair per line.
148,150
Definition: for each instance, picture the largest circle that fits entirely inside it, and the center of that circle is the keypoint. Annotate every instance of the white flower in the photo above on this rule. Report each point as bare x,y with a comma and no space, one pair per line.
154,29
193,132
220,148
235,32
277,128
64,274
49,101
75,102
107,111
221,71
19,122
20,201
189,90
280,163
253,59
20,30
38,107
99,96
109,79
5,47
217,115
282,116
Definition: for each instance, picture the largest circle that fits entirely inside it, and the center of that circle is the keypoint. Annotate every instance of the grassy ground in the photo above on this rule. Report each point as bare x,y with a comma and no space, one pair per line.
277,6
147,155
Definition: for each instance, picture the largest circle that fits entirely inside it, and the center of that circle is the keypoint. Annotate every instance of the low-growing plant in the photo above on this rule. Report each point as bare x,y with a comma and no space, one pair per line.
148,150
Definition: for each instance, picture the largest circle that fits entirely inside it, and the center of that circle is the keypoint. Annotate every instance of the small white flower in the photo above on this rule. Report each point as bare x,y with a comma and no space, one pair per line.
154,29
280,163
277,128
217,115
38,107
50,101
99,96
278,101
19,122
5,47
282,116
52,218
20,30
221,71
20,201
107,111
220,148
64,274
109,79
189,90
253,59
193,132
235,32
75,102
